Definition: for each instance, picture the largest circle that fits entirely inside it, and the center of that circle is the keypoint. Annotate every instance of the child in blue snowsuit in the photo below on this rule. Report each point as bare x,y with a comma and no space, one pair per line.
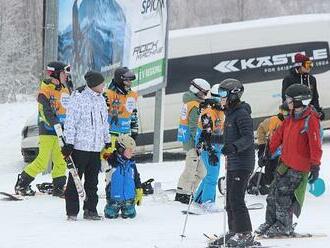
123,188
210,125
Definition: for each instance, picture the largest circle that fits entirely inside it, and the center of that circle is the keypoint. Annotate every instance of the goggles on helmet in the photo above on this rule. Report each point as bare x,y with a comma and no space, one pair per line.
223,93
67,69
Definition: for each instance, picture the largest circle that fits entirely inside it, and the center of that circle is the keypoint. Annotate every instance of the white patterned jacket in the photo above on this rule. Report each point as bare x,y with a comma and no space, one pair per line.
86,125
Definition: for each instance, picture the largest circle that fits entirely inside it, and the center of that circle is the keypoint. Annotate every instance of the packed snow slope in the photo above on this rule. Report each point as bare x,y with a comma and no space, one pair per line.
40,221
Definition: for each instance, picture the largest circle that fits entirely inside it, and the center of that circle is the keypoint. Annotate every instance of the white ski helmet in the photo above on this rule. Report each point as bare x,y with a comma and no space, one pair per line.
200,87
215,91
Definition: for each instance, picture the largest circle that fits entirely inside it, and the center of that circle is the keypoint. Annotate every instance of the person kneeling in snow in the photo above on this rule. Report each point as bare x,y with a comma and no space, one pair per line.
123,188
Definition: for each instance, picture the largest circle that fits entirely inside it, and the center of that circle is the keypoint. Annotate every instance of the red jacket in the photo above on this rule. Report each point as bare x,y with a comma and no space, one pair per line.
300,140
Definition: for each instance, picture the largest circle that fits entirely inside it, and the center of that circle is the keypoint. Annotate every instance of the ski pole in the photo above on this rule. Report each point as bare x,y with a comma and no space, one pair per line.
190,202
224,206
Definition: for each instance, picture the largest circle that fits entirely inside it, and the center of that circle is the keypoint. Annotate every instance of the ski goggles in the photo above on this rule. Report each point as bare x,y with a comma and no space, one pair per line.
308,64
67,69
288,100
223,93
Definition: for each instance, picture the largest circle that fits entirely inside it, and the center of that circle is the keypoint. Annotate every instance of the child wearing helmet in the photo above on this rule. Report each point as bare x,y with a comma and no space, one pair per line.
193,171
209,132
123,185
299,136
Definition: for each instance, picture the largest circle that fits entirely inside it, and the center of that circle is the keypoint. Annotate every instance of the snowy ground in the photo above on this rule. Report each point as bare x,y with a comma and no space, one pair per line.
41,222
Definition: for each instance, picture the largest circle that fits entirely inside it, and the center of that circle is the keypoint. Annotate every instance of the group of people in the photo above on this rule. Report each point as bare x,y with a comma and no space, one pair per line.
103,125
289,147
97,125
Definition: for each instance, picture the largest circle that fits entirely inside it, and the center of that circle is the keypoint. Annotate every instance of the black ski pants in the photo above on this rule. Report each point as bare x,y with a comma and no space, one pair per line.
88,164
237,212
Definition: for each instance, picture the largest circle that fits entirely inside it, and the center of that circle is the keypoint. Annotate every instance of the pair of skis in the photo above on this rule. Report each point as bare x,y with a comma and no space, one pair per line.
70,164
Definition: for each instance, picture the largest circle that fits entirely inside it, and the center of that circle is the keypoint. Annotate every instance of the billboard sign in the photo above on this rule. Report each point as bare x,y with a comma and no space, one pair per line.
105,34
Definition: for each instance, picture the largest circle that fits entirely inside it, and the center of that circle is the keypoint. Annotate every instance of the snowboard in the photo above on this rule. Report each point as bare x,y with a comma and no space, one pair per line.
213,237
254,206
295,236
10,197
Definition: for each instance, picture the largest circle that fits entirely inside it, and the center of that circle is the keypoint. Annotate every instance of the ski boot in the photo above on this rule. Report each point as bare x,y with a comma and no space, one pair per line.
58,189
72,218
220,241
22,186
91,215
262,229
242,240
183,198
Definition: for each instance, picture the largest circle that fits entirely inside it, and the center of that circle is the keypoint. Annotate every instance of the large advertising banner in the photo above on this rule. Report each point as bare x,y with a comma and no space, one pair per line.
105,34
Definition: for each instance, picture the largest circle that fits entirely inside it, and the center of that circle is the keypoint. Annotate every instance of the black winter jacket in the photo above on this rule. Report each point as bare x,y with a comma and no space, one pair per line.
296,78
238,130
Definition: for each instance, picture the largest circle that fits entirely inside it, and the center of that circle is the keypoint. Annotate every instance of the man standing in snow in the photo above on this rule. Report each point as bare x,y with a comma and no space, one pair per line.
53,98
300,74
301,154
86,132
194,170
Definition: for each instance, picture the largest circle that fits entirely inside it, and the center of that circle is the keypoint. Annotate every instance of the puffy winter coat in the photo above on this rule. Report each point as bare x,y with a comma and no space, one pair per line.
238,130
300,139
124,179
86,126
266,128
295,77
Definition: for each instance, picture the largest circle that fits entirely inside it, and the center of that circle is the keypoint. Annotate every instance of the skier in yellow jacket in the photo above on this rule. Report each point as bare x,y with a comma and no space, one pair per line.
53,99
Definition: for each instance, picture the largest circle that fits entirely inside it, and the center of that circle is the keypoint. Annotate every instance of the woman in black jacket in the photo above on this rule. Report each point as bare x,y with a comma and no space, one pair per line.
240,158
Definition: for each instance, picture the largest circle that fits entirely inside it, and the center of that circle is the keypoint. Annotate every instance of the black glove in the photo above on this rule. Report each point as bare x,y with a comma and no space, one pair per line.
213,158
229,149
107,145
263,161
261,150
67,149
314,173
321,114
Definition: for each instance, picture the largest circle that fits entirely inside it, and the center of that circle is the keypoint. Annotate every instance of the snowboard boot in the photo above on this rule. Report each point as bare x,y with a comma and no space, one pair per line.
183,198
22,186
242,240
278,230
262,229
220,241
58,189
91,215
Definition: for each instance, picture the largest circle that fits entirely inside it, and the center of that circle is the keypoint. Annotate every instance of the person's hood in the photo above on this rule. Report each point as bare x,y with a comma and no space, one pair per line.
188,96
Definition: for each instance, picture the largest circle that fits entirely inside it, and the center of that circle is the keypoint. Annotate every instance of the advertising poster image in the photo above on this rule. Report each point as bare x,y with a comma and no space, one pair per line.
105,34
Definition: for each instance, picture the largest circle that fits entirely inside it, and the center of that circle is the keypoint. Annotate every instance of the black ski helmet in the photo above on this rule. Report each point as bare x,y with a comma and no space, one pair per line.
300,94
234,89
54,69
122,74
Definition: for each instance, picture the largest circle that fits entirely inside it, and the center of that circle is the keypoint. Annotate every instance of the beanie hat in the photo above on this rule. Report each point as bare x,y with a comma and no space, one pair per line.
93,78
300,58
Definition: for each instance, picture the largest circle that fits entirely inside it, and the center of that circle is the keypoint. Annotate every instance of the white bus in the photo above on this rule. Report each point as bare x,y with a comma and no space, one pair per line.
258,52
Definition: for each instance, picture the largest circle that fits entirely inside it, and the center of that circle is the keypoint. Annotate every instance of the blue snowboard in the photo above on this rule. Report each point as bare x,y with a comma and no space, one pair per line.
317,188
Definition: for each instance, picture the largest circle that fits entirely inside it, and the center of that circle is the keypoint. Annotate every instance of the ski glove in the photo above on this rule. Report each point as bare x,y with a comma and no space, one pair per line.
228,150
314,173
138,196
106,151
67,149
213,158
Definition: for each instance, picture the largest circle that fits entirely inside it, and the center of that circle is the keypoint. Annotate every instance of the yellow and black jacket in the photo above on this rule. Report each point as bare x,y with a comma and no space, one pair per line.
52,103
